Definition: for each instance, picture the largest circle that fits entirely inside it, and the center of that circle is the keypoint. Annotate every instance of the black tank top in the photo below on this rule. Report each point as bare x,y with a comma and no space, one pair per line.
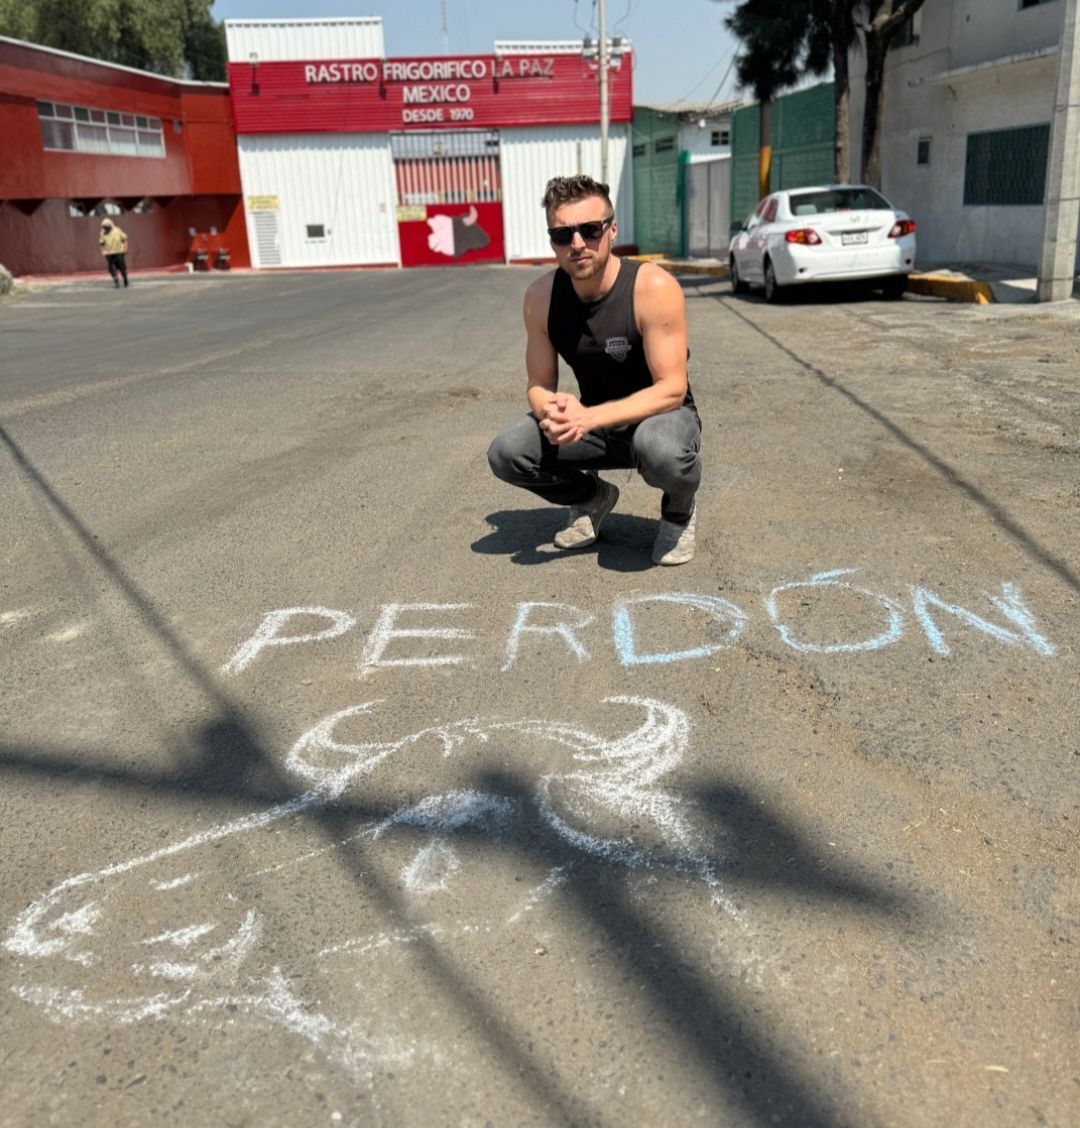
600,339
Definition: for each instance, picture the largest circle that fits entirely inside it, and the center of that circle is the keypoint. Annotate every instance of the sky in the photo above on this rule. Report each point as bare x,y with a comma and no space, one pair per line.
682,51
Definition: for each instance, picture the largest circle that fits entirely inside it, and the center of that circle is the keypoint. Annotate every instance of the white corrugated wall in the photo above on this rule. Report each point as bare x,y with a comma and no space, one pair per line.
285,40
343,182
531,157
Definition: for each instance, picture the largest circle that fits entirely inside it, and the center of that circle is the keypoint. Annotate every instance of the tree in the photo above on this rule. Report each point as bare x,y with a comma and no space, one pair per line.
205,50
885,19
785,39
837,23
164,36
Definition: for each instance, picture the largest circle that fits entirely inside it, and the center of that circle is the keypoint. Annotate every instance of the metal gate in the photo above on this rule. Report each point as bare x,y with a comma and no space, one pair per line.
449,195
708,208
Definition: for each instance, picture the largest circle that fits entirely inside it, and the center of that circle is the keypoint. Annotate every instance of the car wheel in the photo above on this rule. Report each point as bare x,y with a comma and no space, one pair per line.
772,287
738,286
894,288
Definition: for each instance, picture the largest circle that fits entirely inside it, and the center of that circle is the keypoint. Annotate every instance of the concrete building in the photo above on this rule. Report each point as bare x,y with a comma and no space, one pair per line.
969,98
84,139
351,158
704,128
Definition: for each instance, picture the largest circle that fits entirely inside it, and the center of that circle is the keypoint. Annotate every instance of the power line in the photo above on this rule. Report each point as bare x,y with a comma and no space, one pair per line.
719,63
583,30
631,6
727,73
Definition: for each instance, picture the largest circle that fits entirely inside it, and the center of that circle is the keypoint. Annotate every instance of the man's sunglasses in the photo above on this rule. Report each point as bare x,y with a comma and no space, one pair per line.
590,232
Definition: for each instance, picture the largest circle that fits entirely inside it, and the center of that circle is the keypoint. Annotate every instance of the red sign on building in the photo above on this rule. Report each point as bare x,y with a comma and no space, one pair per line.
450,234
383,95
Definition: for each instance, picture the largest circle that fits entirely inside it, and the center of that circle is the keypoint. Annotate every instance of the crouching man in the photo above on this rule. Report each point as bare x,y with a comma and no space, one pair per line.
621,327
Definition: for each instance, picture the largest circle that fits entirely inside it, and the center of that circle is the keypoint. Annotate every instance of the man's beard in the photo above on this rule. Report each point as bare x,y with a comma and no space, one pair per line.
588,268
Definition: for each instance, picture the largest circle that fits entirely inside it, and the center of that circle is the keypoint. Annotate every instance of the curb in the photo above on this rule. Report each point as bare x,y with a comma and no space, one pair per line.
951,288
675,266
691,268
92,276
947,286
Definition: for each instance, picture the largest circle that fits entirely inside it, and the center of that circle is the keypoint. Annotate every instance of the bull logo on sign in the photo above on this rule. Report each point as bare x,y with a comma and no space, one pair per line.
618,348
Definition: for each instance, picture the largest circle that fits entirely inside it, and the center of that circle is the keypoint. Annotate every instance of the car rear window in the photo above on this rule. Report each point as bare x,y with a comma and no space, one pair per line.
835,200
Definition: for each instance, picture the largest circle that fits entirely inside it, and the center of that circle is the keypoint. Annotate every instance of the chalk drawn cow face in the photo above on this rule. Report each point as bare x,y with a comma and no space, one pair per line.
134,940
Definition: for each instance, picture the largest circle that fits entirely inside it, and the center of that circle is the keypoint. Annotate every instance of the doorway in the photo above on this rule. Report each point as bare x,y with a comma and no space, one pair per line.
449,197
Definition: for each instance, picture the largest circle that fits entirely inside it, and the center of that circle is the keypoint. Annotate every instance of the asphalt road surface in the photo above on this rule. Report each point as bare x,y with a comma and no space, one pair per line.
332,793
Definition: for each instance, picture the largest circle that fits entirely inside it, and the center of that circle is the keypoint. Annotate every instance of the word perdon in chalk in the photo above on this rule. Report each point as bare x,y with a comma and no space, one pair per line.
401,625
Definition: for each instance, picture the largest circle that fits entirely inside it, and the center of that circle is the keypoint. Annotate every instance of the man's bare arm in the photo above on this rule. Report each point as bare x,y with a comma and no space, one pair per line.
541,360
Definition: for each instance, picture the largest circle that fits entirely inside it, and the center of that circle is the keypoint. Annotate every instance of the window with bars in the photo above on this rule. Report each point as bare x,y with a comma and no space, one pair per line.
1007,167
447,167
82,129
421,145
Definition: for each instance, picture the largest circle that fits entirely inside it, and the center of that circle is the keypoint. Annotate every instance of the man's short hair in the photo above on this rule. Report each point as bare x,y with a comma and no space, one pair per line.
569,189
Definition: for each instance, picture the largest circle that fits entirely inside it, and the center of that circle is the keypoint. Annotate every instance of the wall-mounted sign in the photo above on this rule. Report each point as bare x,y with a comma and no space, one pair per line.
262,203
411,213
381,95
451,235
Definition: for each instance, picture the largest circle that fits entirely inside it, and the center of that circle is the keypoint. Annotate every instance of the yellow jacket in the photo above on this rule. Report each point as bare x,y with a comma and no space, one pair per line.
113,241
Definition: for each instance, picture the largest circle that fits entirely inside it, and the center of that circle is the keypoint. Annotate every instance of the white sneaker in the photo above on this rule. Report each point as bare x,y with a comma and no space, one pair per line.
674,544
585,520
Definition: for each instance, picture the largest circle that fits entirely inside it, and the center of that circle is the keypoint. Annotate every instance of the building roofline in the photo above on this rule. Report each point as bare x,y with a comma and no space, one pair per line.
536,46
692,109
268,21
111,66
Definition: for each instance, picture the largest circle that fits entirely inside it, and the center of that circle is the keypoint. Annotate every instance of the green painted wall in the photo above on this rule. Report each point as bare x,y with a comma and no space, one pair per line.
745,142
803,140
658,223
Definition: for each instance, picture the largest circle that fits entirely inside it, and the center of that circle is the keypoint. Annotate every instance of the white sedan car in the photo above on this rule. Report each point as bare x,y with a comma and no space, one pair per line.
830,234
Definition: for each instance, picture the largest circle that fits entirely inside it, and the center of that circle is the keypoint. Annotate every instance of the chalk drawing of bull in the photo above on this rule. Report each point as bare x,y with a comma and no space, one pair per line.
107,946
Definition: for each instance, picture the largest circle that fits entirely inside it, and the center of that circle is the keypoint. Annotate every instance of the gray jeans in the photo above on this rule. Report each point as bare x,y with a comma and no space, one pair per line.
664,449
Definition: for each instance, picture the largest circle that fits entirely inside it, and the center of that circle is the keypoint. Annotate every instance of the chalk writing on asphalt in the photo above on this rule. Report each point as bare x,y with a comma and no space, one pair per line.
414,635
179,933
140,940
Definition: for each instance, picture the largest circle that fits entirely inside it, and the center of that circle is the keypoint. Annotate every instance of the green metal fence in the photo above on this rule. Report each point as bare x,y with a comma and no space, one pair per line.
745,142
803,144
658,221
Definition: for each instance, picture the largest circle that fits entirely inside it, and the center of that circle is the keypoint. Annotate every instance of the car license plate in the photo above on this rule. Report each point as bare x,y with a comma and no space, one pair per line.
850,237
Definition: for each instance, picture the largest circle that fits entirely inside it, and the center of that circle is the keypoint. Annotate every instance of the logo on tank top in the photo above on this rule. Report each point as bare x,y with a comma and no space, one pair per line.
618,348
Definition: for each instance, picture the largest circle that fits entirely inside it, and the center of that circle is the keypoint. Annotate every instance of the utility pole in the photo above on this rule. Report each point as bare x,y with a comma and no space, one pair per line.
605,108
1057,265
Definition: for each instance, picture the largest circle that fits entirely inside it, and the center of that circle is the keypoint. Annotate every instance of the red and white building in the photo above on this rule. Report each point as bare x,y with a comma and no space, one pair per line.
319,151
84,139
348,157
